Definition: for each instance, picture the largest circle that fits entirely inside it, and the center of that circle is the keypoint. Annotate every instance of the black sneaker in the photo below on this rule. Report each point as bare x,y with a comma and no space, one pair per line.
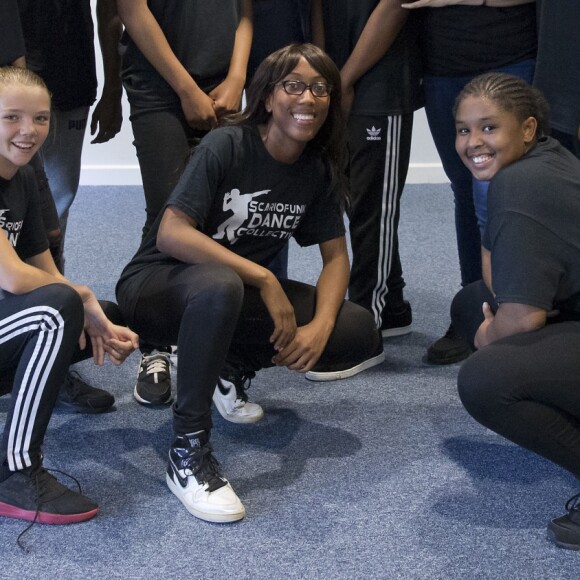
565,530
83,398
154,379
34,495
231,399
193,476
449,349
397,320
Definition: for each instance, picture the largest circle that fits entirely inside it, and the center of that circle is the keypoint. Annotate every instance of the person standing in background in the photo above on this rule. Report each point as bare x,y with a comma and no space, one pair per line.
183,67
375,45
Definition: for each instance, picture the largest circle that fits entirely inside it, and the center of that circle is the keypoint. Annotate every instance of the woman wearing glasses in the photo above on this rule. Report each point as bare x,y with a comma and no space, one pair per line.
199,279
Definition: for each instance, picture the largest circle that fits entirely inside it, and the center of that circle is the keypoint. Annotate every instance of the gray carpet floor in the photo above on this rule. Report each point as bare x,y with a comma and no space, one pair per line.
380,476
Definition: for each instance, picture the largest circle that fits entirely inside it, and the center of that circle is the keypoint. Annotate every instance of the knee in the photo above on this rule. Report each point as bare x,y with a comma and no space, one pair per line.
218,288
64,300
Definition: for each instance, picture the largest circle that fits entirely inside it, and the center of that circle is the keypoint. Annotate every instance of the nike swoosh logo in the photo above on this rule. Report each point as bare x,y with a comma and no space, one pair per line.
223,389
182,480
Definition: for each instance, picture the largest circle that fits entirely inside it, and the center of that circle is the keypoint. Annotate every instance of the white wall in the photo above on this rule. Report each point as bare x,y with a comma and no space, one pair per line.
115,162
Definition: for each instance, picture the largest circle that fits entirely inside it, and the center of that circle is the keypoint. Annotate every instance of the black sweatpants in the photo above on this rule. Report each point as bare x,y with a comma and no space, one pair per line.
208,312
525,387
39,334
379,152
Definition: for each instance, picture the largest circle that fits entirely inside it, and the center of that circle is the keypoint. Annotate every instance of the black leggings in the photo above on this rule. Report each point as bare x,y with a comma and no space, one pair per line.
208,312
525,387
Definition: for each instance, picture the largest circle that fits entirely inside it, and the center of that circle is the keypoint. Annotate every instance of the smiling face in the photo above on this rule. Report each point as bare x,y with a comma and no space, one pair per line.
24,123
294,119
489,138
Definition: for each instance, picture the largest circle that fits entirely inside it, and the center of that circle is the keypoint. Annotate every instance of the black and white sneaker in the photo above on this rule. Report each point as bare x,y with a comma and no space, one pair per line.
231,399
154,379
193,476
344,373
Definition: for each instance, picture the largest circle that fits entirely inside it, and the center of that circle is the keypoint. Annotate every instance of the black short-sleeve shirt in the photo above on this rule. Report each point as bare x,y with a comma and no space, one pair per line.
532,230
247,201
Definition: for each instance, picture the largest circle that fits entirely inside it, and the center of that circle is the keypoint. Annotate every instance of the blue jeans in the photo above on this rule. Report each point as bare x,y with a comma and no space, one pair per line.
440,95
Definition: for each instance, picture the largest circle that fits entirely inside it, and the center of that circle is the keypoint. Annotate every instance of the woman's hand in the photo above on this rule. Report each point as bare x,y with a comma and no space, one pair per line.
199,111
281,311
305,350
227,97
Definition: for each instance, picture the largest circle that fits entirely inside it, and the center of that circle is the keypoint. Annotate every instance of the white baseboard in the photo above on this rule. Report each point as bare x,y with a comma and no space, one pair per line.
130,175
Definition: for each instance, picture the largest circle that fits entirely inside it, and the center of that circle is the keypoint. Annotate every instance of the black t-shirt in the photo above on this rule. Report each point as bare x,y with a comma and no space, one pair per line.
393,85
20,217
12,44
532,229
277,23
200,33
558,63
469,40
59,37
247,201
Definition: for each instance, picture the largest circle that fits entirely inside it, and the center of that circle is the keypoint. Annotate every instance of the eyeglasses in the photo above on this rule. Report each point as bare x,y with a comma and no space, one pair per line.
298,87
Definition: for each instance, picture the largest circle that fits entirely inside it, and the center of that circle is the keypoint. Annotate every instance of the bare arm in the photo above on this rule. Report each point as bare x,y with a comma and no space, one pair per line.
379,33
310,340
108,116
148,36
510,319
179,237
18,277
228,95
317,23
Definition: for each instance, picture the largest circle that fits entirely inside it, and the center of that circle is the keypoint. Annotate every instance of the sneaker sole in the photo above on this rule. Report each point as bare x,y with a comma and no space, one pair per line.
85,410
142,401
208,517
397,331
345,374
233,419
552,535
44,517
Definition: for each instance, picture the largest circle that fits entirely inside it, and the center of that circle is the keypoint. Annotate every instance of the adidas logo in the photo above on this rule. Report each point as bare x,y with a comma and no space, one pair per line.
374,134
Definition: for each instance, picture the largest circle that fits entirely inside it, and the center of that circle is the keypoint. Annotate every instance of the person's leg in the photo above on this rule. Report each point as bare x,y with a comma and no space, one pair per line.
38,333
163,142
466,309
379,148
197,308
61,157
440,95
526,387
354,344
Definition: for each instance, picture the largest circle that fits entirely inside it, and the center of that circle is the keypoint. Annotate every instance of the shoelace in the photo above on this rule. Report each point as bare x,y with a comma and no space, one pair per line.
40,481
202,462
159,365
242,384
573,503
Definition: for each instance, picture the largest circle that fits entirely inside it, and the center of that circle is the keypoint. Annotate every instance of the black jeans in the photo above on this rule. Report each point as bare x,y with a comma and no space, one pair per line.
526,387
212,317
